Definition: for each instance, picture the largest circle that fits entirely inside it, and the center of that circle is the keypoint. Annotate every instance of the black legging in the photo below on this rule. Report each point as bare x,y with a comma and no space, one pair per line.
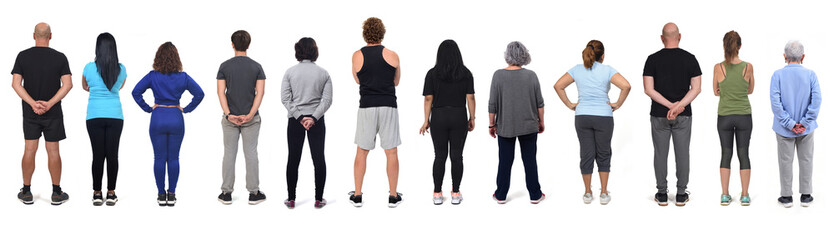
742,127
295,144
104,138
448,133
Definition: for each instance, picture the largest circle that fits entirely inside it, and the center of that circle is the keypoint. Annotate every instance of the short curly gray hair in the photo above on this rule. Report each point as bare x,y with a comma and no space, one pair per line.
794,51
517,54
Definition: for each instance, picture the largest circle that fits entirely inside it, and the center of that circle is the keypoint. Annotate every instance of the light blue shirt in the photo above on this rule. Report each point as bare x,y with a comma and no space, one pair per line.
794,98
103,102
593,85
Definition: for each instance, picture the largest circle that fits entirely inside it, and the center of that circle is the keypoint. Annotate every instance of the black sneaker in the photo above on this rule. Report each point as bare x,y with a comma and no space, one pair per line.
805,200
25,197
662,199
356,200
681,199
98,200
59,198
225,198
394,201
162,199
786,202
172,199
111,199
256,197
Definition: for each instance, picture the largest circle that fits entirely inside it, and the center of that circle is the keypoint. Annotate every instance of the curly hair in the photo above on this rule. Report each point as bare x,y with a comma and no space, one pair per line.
373,30
167,59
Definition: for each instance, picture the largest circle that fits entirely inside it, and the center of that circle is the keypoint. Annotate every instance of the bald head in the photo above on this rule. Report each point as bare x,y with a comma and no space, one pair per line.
43,31
671,36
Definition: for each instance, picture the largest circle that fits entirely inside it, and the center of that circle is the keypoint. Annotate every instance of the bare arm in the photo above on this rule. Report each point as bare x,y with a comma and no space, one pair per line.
394,60
492,127
84,83
259,97
648,88
541,120
563,82
17,85
470,101
694,90
66,85
427,101
221,94
621,83
717,76
357,64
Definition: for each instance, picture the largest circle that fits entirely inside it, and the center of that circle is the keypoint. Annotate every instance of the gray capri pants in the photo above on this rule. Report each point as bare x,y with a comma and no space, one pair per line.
594,133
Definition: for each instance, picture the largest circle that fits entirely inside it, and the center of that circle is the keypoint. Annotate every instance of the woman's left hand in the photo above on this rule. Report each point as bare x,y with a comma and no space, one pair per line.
424,129
615,106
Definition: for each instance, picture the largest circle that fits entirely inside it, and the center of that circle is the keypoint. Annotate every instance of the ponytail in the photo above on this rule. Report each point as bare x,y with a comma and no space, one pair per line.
732,43
593,53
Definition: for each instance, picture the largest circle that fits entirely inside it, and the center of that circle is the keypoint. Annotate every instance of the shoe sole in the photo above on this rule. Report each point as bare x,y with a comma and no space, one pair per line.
111,202
224,202
27,202
171,204
256,202
456,202
604,203
537,201
681,204
745,204
162,204
805,204
662,204
319,206
587,201
356,204
59,203
393,205
97,202
725,204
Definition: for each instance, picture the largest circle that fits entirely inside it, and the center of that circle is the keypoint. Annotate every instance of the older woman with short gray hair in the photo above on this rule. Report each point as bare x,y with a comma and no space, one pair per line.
795,100
516,110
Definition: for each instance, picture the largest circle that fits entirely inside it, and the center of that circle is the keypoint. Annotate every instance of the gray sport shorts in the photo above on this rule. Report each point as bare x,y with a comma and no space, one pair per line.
371,121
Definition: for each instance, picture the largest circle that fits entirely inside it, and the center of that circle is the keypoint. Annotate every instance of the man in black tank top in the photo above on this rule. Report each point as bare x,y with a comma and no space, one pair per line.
377,71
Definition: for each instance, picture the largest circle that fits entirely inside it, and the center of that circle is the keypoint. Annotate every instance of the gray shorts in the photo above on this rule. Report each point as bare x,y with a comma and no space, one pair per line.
371,121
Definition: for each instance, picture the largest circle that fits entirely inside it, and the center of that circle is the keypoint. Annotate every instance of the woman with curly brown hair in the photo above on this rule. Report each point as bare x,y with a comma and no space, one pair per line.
168,82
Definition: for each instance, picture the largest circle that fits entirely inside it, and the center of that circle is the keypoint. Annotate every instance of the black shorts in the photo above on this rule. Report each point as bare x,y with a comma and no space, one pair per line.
52,129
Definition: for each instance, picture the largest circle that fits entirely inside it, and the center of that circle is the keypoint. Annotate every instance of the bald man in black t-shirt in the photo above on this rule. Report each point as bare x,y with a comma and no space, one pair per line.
41,77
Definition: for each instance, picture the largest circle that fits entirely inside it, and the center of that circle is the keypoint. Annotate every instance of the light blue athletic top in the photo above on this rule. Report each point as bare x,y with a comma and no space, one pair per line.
103,102
593,85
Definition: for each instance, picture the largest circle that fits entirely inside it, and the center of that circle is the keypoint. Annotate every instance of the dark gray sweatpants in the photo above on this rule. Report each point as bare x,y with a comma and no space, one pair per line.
594,133
680,130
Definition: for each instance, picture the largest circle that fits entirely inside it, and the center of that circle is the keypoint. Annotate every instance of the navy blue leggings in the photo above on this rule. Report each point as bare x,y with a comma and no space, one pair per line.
167,130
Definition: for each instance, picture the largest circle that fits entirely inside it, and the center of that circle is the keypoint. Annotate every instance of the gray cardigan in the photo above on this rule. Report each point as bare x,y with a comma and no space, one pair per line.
515,97
306,90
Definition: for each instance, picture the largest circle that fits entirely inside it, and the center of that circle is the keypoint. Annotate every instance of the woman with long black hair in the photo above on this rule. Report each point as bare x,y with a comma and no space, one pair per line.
103,78
448,90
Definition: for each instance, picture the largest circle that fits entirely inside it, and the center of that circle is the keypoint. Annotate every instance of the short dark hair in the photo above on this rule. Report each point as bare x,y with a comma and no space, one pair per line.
373,30
306,49
167,59
241,40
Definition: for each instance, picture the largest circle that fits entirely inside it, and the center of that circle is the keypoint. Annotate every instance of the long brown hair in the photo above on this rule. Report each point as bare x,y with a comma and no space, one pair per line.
732,42
593,52
167,59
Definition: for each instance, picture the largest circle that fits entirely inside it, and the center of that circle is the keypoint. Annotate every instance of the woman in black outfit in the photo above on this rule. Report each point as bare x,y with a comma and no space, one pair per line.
448,90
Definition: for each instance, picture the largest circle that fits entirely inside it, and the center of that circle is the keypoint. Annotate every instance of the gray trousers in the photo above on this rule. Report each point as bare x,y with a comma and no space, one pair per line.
804,146
680,130
594,133
231,135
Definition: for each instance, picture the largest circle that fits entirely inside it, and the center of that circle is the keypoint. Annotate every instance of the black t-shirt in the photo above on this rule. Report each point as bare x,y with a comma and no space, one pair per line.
42,69
673,70
241,74
448,92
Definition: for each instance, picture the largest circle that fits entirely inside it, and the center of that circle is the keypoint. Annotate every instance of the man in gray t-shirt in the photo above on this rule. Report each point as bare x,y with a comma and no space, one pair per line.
240,87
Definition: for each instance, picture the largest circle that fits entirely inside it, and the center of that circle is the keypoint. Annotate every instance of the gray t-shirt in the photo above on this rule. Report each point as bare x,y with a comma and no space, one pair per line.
515,97
241,74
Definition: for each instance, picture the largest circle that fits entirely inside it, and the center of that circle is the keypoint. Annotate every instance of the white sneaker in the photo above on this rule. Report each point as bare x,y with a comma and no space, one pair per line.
604,198
437,198
587,198
456,198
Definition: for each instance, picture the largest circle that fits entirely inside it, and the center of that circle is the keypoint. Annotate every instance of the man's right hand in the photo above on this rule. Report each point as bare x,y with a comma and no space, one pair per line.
307,122
798,129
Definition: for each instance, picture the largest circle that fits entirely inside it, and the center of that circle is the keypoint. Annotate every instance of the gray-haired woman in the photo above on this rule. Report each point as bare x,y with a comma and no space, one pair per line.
516,110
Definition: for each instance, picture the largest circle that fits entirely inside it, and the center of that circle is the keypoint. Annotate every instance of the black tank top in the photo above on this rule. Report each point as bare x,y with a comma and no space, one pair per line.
376,80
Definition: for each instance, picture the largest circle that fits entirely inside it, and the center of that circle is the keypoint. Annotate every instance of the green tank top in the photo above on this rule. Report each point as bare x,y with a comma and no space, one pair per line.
733,91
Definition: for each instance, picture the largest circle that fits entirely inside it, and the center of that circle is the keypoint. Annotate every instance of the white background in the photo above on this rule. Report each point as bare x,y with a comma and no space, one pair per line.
555,33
